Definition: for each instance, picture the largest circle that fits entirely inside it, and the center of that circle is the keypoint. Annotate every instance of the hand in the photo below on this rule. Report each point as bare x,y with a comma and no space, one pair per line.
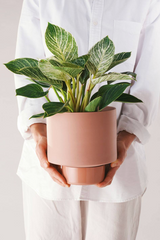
124,140
39,134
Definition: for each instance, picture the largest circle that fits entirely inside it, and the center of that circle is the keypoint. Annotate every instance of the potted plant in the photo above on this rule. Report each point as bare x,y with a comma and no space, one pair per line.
81,129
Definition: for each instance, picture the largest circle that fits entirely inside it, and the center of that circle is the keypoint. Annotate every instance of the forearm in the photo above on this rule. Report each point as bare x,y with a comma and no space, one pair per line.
38,130
126,137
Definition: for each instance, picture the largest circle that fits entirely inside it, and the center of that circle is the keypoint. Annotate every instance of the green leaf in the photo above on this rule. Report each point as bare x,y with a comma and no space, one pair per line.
52,108
31,91
112,93
92,106
64,87
61,43
106,87
29,67
81,61
37,115
45,85
84,76
54,62
53,72
94,96
101,56
113,76
127,98
119,58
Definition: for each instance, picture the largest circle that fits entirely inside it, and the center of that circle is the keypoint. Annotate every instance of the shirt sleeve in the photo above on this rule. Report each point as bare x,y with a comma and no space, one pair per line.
135,118
29,44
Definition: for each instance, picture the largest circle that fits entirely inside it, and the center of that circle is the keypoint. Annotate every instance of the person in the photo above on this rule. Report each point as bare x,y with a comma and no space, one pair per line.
111,209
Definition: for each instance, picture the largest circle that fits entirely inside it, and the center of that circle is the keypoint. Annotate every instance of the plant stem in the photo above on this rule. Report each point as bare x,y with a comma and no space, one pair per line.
71,100
47,98
65,99
83,90
87,95
60,99
69,108
78,86
69,92
73,80
78,100
69,89
86,100
90,90
83,97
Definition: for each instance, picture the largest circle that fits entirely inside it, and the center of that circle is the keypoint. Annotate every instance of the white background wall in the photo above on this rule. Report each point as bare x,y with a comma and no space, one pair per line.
11,215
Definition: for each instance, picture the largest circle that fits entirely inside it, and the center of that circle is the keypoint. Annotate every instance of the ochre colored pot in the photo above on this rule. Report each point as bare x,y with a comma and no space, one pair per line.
83,143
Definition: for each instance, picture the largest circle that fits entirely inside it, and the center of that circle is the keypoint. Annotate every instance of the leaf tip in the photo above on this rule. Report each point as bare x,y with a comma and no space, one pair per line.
6,65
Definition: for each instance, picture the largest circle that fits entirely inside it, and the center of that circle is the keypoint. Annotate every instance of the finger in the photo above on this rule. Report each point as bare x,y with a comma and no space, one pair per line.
50,168
122,154
55,174
116,163
60,183
59,169
109,177
41,149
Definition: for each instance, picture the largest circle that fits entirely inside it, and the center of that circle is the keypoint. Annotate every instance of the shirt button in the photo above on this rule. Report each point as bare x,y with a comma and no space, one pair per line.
95,23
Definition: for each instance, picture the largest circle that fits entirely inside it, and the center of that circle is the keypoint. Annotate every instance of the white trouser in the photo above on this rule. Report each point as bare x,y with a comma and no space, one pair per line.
79,220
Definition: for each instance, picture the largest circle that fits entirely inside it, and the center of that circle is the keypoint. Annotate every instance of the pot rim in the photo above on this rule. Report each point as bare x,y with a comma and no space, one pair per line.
106,109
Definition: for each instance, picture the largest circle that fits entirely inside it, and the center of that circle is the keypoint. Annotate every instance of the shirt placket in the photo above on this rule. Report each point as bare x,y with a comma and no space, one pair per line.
94,37
96,22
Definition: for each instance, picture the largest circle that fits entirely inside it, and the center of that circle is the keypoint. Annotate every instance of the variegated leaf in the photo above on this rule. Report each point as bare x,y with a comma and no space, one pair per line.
72,69
81,61
61,43
52,72
134,75
45,85
101,56
20,65
29,67
119,58
112,77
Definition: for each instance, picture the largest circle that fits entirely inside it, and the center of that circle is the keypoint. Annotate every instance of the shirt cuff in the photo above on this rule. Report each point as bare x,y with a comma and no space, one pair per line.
24,122
133,126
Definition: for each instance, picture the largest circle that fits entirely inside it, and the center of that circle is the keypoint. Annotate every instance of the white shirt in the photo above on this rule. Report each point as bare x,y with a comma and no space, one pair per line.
134,26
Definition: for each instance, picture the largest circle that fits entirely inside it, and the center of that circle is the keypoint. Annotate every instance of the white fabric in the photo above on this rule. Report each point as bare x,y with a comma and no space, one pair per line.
133,26
79,220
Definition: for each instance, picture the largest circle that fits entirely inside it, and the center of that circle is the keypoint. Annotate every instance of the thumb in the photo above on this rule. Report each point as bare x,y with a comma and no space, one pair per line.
41,151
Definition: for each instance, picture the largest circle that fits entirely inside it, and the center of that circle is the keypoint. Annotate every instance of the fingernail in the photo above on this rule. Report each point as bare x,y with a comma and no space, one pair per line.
114,165
67,185
46,164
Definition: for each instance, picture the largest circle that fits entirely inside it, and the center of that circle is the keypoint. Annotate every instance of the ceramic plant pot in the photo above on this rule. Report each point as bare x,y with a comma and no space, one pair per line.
83,143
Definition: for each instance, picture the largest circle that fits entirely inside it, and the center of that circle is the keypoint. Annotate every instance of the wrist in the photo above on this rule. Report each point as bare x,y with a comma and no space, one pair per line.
38,131
126,137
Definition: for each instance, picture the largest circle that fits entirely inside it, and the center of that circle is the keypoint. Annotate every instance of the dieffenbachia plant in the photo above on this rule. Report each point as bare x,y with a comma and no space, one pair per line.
73,78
